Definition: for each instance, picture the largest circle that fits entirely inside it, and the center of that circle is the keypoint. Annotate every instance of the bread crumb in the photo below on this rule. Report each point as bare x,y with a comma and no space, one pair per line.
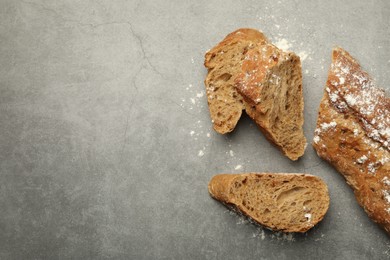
192,100
192,133
231,153
238,167
200,153
208,134
306,71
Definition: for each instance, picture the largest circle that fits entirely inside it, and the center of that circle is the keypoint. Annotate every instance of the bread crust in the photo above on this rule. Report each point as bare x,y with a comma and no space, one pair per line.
353,133
243,34
222,188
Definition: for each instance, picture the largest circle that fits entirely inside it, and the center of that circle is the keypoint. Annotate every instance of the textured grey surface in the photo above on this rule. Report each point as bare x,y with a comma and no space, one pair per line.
102,119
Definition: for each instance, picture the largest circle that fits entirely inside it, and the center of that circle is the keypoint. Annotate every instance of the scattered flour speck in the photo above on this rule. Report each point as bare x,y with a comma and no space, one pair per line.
303,55
238,167
283,44
200,94
200,153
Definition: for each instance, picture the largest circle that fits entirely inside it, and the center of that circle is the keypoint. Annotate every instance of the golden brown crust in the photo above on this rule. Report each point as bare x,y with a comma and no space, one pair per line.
285,202
243,34
351,134
219,186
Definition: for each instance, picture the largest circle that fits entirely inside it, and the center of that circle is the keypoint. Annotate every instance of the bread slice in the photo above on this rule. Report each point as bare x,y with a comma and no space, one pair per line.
247,72
281,202
223,63
353,130
271,85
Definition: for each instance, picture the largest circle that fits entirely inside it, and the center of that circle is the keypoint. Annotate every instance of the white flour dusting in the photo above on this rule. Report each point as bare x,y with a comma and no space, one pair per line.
238,167
283,44
200,94
303,55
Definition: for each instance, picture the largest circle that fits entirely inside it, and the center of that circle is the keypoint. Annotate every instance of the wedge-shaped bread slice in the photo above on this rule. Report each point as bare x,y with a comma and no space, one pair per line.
353,134
271,85
281,202
224,63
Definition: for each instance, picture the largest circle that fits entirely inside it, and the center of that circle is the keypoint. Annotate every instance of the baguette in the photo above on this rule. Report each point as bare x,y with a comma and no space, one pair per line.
280,202
353,131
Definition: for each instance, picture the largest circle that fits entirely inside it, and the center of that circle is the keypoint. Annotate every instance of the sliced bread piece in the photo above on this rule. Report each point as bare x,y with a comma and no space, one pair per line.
353,134
281,202
271,85
224,63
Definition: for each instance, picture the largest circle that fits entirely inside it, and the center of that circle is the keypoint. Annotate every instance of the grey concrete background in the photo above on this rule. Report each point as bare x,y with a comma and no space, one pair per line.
102,121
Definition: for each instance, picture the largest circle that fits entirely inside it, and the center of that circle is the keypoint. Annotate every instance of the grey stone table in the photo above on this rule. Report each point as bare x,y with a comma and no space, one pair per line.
106,145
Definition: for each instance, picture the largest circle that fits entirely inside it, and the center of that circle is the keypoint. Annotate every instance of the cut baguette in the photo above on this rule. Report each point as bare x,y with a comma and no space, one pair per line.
281,202
246,72
353,134
271,85
223,63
